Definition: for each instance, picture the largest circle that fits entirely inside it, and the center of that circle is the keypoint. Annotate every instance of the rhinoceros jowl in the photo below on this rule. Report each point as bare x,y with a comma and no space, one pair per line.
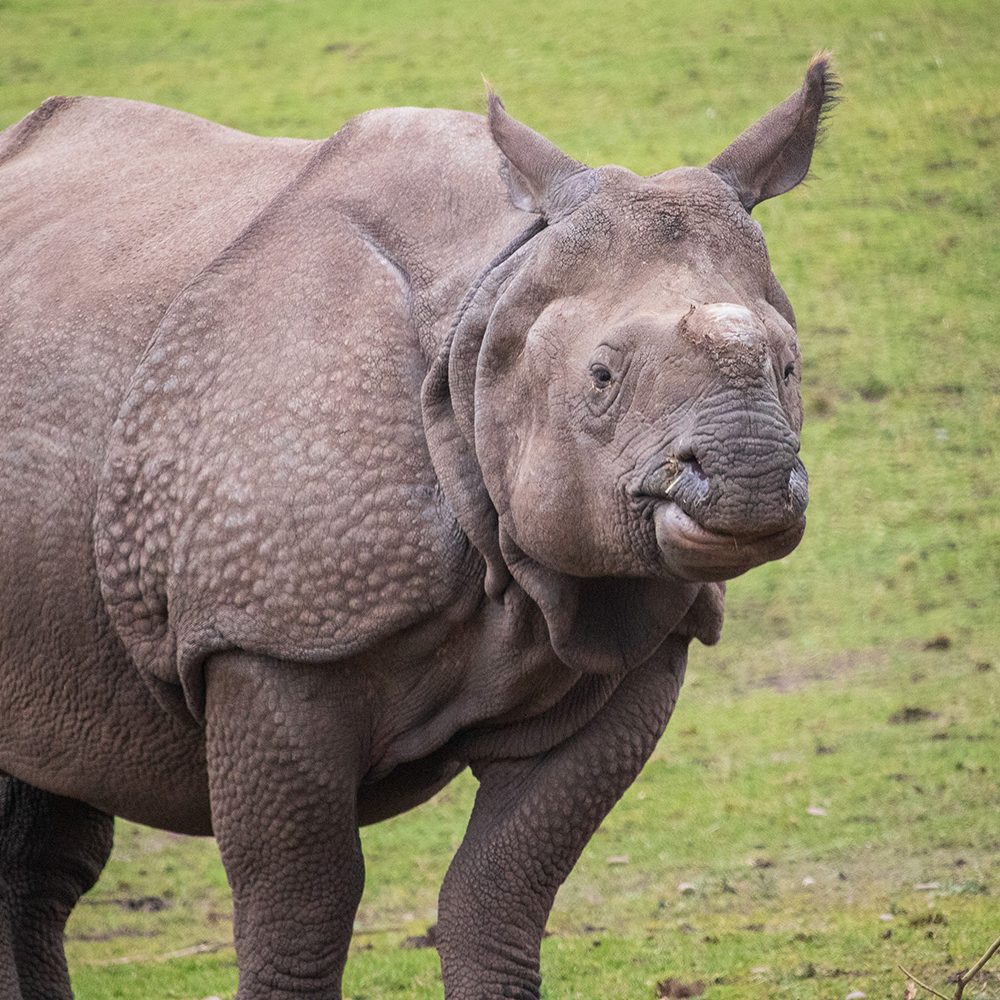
333,468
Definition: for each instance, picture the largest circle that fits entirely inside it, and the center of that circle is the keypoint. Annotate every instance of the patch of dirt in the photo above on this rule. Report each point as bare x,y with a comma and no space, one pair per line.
672,989
873,390
134,904
797,674
912,714
125,932
144,904
428,940
939,642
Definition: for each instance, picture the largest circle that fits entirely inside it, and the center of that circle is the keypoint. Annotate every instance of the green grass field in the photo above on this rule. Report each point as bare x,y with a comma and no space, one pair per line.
827,792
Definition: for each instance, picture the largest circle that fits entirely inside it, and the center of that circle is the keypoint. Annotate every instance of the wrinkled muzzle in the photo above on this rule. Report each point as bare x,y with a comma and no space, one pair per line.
741,475
734,494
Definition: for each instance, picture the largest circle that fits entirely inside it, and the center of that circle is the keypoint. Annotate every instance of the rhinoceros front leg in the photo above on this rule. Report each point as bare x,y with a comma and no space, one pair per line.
531,821
284,747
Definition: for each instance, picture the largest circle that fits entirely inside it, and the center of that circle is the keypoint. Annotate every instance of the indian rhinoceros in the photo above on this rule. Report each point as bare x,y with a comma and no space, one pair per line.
330,469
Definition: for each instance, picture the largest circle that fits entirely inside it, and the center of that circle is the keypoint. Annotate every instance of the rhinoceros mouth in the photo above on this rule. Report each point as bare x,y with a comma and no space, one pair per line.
693,552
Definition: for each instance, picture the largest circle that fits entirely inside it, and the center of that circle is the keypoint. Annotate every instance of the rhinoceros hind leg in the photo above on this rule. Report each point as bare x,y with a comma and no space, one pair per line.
52,850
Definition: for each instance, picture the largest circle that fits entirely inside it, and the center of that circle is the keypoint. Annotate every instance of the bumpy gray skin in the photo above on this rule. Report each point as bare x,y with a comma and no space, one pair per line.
331,469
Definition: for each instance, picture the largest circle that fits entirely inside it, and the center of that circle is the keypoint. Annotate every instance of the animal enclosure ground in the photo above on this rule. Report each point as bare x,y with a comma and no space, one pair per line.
839,749
788,839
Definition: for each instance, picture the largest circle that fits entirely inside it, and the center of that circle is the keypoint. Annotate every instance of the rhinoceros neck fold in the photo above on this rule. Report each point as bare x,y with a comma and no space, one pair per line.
447,404
609,625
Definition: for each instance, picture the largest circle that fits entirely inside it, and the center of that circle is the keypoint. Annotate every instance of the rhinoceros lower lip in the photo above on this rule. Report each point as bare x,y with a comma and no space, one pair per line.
693,552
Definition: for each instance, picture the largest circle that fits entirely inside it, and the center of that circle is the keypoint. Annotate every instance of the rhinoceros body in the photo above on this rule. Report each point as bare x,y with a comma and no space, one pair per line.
333,468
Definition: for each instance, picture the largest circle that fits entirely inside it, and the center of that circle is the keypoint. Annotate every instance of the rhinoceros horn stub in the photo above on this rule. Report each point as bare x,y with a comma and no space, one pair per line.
541,178
774,154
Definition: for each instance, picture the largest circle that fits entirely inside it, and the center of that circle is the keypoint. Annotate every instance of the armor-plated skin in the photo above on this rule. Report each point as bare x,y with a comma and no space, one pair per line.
332,468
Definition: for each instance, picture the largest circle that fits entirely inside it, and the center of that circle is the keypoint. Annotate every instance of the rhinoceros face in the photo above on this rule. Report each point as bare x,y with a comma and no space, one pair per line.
637,408
638,404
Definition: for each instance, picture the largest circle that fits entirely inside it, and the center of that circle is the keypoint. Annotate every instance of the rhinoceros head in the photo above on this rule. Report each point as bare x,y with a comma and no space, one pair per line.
616,418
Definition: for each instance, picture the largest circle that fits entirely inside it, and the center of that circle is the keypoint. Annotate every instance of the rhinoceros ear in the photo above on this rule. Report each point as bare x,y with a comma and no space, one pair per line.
541,178
773,155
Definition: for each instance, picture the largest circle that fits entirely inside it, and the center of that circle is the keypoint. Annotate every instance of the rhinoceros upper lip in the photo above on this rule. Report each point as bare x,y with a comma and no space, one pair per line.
694,552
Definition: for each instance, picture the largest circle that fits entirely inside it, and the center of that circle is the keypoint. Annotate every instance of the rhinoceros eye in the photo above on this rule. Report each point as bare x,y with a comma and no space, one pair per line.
601,376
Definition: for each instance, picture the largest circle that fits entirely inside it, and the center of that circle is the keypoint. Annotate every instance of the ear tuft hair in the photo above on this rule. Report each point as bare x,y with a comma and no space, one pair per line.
821,77
774,154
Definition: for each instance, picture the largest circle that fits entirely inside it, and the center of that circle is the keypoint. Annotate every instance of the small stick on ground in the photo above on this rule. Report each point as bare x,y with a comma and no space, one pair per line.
963,980
966,977
206,948
923,986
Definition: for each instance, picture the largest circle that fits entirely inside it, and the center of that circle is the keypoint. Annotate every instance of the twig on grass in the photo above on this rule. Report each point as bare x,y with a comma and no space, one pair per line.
195,949
966,977
923,986
963,980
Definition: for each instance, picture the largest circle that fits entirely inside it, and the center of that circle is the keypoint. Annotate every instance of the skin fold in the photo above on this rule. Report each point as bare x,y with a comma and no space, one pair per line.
333,468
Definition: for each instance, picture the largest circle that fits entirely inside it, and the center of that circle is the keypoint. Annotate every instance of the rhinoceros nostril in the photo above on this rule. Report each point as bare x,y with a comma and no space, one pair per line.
689,488
798,488
691,464
681,479
660,481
